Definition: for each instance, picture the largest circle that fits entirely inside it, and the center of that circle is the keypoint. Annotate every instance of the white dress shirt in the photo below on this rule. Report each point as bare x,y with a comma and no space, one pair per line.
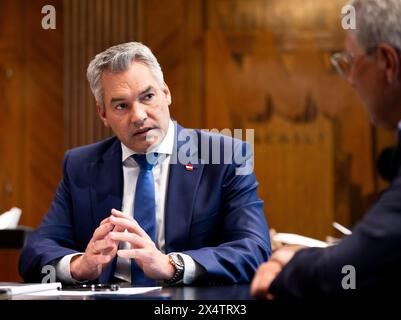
130,173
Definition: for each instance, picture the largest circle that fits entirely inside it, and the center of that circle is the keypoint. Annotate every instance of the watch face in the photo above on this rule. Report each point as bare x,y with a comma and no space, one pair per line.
178,262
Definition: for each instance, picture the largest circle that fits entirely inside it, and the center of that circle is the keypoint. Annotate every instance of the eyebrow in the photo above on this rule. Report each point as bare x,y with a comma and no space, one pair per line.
121,99
146,91
115,100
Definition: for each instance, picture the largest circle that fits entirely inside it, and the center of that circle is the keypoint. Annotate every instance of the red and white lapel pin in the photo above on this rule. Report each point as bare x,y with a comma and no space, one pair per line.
189,167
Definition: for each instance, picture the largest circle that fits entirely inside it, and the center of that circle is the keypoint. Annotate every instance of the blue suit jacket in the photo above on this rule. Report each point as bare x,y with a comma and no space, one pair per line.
211,214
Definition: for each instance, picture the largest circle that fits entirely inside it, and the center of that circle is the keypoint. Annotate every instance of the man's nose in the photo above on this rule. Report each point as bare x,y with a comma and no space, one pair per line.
138,114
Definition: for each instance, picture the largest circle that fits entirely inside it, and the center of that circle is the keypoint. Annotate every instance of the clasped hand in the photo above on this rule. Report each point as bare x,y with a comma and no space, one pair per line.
103,247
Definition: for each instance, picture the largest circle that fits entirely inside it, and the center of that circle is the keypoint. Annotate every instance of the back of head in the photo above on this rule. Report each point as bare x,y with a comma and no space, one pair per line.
377,21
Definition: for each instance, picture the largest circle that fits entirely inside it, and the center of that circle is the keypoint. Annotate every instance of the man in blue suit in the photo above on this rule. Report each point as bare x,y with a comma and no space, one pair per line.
147,204
367,263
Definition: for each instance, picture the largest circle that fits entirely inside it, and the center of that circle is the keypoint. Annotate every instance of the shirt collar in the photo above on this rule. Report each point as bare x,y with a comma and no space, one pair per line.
164,147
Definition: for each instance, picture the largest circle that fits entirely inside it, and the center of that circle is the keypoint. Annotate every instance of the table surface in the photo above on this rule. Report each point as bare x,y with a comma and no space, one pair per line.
230,292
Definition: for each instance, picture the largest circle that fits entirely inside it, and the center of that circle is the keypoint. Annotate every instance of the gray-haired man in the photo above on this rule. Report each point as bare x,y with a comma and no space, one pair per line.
126,211
368,262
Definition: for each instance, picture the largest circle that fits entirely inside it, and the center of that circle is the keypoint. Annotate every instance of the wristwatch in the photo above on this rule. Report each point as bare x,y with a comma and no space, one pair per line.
178,263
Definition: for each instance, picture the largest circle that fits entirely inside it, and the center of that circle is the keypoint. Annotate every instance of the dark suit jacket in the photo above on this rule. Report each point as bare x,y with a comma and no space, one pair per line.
211,214
373,249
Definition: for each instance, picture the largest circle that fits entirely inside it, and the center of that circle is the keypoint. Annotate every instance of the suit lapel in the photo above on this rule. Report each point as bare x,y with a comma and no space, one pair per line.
181,191
107,191
107,183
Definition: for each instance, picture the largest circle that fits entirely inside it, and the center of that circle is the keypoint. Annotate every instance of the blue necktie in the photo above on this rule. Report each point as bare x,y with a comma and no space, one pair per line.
144,209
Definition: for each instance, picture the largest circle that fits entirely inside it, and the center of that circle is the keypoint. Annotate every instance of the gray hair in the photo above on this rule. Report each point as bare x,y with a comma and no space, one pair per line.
377,21
119,58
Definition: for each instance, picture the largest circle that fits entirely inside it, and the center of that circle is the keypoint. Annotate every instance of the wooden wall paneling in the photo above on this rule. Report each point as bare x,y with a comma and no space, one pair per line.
173,29
43,111
82,112
11,27
102,40
91,27
273,57
293,165
89,103
12,124
31,117
296,164
12,128
194,90
68,72
9,266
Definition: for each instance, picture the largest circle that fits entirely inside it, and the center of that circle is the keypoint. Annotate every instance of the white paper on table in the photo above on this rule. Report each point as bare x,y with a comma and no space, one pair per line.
119,292
31,288
292,238
10,219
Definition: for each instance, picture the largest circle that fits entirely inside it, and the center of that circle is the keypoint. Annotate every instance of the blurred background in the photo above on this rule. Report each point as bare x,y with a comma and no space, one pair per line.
250,64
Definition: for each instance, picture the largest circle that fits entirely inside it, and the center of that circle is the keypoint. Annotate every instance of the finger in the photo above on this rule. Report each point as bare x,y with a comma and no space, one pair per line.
268,273
105,221
110,254
269,296
119,229
131,225
261,280
101,259
102,245
102,231
141,255
265,280
255,285
120,214
127,253
132,238
116,242
112,251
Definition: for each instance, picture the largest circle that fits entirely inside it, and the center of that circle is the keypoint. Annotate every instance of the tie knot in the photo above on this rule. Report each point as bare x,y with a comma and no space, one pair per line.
146,161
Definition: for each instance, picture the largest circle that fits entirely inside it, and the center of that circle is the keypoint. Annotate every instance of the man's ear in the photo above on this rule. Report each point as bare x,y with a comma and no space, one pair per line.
102,114
391,61
167,93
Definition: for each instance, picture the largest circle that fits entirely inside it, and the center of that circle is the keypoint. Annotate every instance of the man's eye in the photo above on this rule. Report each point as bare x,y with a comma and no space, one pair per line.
122,106
149,96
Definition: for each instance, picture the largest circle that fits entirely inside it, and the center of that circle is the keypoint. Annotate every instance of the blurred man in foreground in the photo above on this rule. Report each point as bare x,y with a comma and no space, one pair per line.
371,63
